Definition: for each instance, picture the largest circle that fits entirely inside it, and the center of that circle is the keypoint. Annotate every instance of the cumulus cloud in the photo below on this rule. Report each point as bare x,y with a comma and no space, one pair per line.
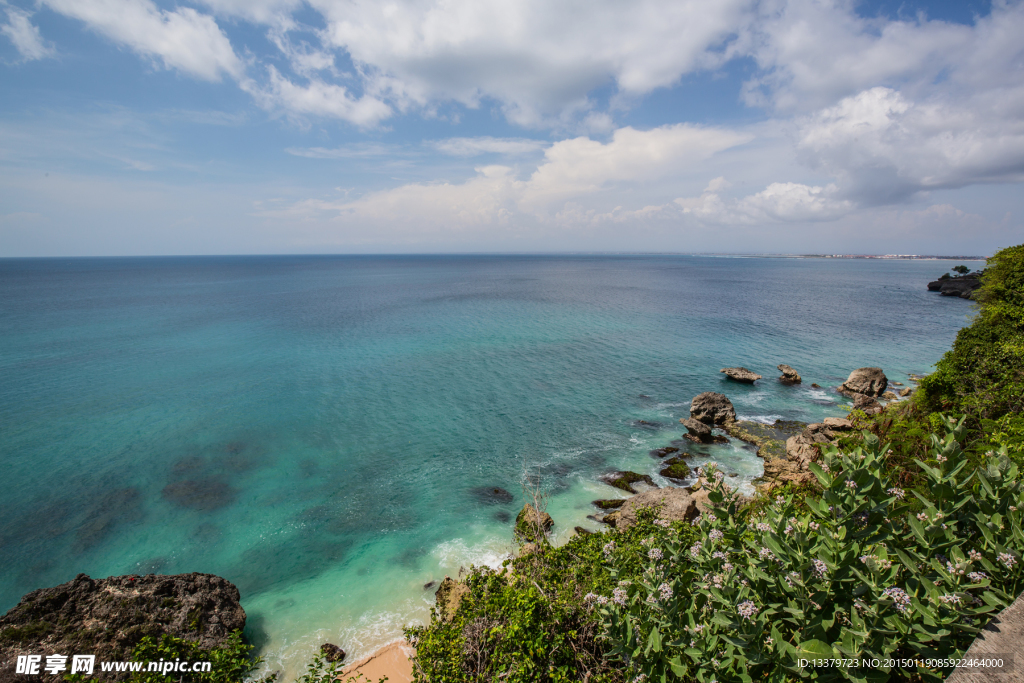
538,59
317,98
24,35
884,148
181,39
779,202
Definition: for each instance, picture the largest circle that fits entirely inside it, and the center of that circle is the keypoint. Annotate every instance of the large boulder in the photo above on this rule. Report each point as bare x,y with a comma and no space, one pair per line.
789,374
108,617
672,503
532,523
712,409
803,449
867,381
741,375
866,404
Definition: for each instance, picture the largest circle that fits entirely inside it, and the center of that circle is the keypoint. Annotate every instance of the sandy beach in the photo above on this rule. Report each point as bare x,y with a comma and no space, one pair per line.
392,660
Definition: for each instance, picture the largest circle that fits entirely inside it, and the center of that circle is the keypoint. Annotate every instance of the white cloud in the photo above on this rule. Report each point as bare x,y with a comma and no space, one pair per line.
356,151
540,60
779,202
470,147
260,11
24,35
883,147
582,166
182,39
318,98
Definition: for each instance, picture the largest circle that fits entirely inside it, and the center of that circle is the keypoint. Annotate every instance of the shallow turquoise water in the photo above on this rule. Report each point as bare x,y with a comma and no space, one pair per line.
313,428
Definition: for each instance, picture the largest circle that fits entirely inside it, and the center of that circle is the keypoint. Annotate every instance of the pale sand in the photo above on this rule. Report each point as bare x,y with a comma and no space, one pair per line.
391,661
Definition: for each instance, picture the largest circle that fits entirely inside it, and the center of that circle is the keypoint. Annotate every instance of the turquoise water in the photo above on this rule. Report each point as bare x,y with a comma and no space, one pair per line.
316,429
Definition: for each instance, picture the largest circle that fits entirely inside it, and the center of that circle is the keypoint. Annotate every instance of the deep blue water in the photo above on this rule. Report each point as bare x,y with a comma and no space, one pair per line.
313,428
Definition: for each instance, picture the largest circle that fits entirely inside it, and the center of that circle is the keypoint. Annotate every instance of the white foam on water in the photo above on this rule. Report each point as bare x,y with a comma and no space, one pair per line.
763,419
455,554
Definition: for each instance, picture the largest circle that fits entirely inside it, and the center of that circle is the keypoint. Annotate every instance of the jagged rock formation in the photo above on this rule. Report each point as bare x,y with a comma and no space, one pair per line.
803,449
673,504
108,617
963,286
332,653
867,381
698,432
532,523
741,375
712,409
789,374
449,595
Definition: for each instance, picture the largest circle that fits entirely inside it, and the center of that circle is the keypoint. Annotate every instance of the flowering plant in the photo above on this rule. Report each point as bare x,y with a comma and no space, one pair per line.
855,576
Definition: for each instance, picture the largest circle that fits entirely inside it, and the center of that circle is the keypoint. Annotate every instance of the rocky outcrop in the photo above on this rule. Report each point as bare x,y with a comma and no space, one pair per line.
867,405
789,375
741,375
698,432
962,286
675,468
1002,637
532,524
712,409
663,452
672,503
625,480
867,381
332,653
449,595
108,617
890,396
609,504
803,449
906,392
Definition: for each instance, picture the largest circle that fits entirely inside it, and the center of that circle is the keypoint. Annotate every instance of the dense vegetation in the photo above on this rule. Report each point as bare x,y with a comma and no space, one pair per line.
907,542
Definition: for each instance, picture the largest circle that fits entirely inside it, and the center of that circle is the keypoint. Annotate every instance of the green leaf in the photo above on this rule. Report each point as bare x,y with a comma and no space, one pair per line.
814,649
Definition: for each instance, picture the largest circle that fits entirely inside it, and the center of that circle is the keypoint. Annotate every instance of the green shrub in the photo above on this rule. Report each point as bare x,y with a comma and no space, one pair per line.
860,575
531,620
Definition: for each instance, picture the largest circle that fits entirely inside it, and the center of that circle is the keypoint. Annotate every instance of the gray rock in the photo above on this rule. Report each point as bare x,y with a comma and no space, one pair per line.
866,404
837,423
741,375
698,430
672,503
867,381
789,375
1003,636
889,396
625,480
712,409
906,392
532,523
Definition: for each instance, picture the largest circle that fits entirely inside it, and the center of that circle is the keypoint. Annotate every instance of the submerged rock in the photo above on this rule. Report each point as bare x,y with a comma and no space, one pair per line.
199,494
741,375
789,375
662,452
712,409
492,495
815,386
625,480
867,381
108,617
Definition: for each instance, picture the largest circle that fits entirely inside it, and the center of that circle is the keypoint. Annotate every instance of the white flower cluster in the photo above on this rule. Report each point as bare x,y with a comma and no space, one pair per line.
820,568
715,535
899,597
655,554
747,609
663,523
948,599
695,550
609,548
619,596
1007,559
977,576
896,493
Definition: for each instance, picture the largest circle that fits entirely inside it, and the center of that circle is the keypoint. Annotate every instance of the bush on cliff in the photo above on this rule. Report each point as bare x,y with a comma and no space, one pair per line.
860,575
530,621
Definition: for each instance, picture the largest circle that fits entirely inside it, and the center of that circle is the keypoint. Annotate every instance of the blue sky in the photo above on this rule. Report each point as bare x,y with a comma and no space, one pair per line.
341,126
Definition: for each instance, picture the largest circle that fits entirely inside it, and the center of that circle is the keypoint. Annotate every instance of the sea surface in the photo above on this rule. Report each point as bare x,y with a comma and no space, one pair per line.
323,431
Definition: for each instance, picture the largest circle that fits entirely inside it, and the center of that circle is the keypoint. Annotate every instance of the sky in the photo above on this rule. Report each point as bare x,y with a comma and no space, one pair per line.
133,127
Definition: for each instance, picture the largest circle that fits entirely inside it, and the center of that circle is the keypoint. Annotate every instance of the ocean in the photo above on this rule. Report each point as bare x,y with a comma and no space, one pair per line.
324,431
